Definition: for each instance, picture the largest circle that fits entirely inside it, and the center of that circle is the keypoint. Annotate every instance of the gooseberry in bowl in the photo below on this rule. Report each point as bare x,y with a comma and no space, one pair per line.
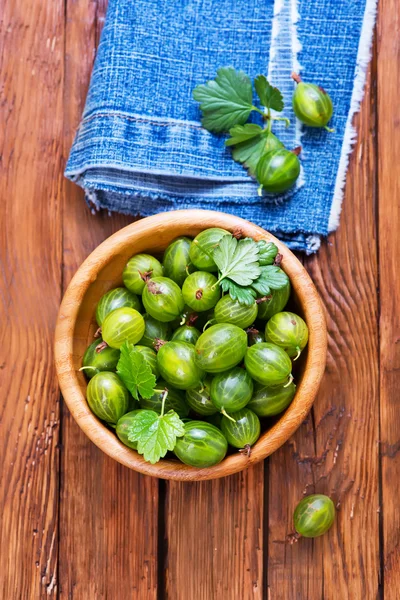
215,351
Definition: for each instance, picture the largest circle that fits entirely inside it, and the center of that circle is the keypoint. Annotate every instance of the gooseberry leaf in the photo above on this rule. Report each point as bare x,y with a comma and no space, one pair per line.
135,372
270,96
243,295
250,151
226,100
155,434
243,133
271,278
237,260
266,252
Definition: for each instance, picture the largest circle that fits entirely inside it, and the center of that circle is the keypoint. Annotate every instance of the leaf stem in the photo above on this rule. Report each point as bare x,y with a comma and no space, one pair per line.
163,402
223,411
269,126
258,110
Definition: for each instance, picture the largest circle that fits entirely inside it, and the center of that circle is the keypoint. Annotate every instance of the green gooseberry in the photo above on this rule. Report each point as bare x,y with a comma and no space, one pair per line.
312,105
105,359
177,365
314,515
123,426
186,333
202,247
139,269
122,325
176,261
162,299
289,331
278,170
117,298
200,291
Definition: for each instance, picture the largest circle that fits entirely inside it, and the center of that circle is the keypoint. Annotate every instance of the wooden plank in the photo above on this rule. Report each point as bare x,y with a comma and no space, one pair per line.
389,253
31,72
214,537
344,461
109,515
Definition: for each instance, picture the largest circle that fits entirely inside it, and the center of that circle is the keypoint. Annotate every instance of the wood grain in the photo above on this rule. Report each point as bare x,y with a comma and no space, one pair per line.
336,452
224,538
389,252
31,75
109,515
214,537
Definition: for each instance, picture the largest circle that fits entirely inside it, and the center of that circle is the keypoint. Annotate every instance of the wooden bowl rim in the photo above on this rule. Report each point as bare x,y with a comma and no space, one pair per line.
272,439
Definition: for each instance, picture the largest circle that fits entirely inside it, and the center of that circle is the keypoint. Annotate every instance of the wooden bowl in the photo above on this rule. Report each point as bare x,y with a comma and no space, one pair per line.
102,271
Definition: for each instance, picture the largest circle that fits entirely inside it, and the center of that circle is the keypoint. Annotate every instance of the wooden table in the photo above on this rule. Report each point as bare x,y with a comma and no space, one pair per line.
77,525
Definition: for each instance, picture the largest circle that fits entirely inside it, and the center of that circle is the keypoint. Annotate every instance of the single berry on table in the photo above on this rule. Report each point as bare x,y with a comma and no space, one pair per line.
314,515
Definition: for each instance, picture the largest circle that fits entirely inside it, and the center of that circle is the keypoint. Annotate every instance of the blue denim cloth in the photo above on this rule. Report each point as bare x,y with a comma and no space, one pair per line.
140,148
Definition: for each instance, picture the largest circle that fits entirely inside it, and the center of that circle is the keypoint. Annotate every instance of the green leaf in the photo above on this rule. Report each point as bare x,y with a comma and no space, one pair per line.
250,152
271,278
237,260
226,100
155,434
242,133
135,372
270,96
266,252
244,295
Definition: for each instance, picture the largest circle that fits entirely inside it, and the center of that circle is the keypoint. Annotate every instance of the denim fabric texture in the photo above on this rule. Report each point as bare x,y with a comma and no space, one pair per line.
141,149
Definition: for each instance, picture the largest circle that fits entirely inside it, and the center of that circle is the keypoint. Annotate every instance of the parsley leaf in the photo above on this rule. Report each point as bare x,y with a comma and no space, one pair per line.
244,295
270,96
155,434
226,100
267,252
271,278
250,151
237,260
243,133
135,372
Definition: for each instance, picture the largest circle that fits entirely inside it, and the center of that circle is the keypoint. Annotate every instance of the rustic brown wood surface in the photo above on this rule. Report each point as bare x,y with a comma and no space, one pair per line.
75,524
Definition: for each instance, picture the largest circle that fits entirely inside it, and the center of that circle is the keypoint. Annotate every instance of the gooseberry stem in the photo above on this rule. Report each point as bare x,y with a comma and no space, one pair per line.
330,129
163,402
88,367
287,121
223,411
289,382
101,347
296,77
246,450
298,353
210,322
292,538
260,189
97,333
263,299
